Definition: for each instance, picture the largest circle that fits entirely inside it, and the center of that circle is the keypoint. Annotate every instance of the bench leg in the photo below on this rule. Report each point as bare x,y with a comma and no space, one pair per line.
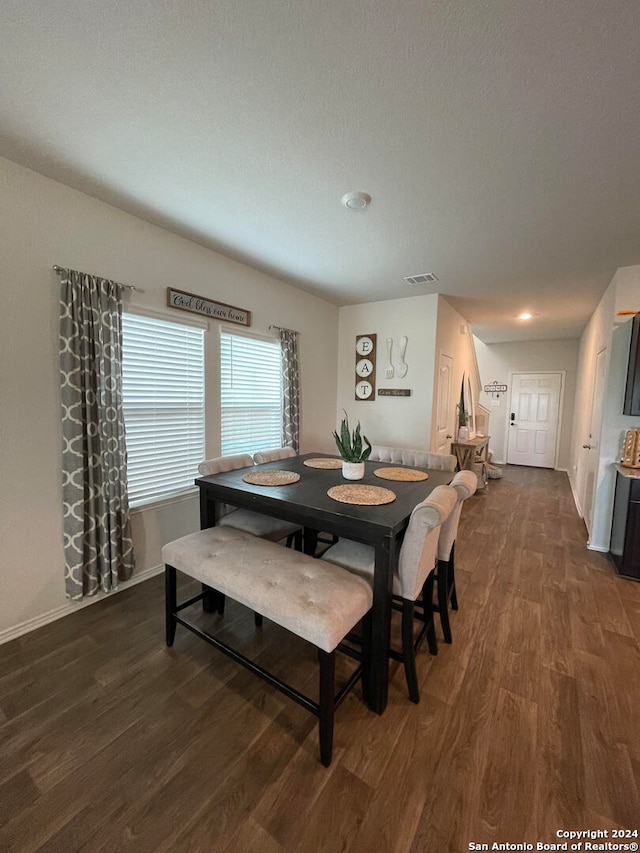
326,705
209,599
294,540
171,603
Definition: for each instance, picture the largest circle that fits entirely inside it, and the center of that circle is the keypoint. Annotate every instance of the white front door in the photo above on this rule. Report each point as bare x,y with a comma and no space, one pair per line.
533,419
444,409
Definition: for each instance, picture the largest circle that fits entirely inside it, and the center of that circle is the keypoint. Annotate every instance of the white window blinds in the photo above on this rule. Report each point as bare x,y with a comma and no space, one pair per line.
250,394
163,402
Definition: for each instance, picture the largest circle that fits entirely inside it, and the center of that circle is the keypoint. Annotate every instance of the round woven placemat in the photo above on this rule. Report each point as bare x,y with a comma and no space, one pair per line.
406,475
320,462
361,495
271,478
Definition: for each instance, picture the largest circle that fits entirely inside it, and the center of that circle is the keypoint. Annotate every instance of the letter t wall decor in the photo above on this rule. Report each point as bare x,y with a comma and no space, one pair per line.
365,367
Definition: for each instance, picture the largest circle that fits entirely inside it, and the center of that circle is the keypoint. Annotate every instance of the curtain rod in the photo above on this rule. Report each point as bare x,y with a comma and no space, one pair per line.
60,270
282,329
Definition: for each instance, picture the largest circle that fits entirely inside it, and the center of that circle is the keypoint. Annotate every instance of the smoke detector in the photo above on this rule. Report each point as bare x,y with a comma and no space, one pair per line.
421,278
355,201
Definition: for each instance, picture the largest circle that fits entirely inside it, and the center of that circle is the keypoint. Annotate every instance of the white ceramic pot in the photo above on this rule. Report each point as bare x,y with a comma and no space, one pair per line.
352,470
463,433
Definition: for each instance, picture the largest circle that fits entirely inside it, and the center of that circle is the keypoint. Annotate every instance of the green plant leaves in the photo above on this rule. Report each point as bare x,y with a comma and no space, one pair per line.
350,444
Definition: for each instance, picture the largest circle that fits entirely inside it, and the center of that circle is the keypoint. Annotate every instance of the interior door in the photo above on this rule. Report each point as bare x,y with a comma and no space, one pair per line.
444,408
589,452
533,419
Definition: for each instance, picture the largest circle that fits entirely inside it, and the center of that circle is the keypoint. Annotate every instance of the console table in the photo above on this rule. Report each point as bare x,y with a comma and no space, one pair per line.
471,451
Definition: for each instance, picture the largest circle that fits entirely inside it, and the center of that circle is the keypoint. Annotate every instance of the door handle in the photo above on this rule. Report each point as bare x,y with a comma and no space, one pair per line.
448,436
587,447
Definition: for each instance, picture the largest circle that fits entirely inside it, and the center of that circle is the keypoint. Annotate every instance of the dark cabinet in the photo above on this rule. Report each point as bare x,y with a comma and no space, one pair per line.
625,528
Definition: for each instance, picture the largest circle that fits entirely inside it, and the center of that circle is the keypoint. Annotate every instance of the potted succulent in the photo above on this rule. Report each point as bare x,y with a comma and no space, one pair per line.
352,450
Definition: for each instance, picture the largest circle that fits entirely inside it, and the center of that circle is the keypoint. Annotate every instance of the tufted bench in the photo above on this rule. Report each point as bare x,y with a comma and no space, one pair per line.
315,600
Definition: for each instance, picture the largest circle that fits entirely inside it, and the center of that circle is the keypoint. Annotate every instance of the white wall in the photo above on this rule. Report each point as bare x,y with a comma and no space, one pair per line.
401,421
44,223
431,326
605,331
453,338
498,363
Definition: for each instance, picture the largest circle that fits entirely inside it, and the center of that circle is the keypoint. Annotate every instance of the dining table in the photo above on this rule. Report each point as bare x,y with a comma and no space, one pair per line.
307,503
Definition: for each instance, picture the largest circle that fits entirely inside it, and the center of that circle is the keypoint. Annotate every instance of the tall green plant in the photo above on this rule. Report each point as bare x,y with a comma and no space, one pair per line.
350,444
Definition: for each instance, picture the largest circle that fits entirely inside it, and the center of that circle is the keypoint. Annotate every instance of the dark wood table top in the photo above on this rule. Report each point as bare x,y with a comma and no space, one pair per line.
308,504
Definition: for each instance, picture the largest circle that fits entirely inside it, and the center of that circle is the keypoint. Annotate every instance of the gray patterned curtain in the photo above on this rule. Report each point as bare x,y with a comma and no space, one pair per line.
290,389
97,530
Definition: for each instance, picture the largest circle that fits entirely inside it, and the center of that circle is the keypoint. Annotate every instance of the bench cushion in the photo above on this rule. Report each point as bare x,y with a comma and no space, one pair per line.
258,524
316,600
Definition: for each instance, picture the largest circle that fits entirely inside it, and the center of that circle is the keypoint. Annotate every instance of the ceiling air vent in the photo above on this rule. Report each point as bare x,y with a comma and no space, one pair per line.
421,278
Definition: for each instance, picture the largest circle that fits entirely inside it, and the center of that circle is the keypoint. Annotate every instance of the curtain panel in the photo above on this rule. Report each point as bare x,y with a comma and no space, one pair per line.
290,389
96,524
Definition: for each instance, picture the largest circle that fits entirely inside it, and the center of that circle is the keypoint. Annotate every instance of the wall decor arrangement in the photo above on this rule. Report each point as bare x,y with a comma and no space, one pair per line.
365,367
208,307
400,369
495,389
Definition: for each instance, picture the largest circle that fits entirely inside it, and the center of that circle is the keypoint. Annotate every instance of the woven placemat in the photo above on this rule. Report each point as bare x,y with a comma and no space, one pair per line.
320,462
361,495
271,478
406,475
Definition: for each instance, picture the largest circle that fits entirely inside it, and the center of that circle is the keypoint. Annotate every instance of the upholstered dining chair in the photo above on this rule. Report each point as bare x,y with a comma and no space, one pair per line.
274,455
465,484
414,576
415,458
264,526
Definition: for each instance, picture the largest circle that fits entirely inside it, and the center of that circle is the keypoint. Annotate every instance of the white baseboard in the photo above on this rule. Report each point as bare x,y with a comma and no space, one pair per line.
599,548
73,606
575,498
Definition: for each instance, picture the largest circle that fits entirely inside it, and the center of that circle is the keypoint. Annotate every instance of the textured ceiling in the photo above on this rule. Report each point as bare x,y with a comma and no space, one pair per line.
499,141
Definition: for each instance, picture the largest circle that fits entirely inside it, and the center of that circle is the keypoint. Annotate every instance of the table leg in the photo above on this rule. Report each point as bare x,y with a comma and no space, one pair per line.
378,681
309,541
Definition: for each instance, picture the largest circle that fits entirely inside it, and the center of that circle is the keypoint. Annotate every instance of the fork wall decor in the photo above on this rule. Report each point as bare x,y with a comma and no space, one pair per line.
365,367
401,367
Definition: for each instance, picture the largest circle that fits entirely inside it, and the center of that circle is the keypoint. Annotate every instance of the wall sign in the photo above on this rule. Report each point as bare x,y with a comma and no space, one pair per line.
365,367
208,307
394,392
494,388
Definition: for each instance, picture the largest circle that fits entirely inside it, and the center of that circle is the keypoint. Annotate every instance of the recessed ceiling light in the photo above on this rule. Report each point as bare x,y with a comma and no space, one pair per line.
356,201
525,316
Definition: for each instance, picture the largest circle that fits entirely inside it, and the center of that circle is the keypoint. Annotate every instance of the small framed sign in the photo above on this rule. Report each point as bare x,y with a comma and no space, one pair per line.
208,307
394,392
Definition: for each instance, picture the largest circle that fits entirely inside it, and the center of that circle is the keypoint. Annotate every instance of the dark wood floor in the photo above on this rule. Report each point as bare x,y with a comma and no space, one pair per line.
529,723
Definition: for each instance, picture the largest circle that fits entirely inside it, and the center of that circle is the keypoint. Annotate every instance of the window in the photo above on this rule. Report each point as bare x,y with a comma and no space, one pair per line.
163,402
250,394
